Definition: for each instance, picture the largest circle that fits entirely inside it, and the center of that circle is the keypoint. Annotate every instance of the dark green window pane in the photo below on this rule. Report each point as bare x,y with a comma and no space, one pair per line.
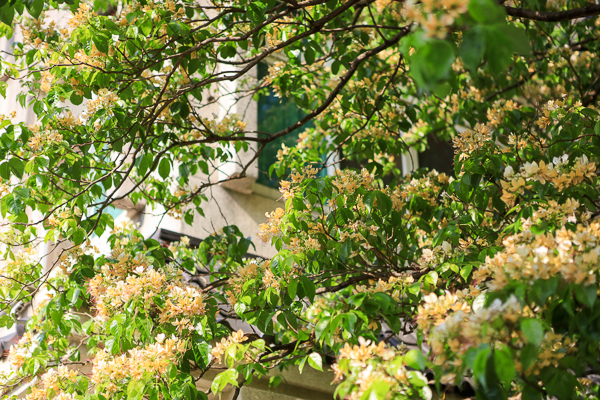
274,115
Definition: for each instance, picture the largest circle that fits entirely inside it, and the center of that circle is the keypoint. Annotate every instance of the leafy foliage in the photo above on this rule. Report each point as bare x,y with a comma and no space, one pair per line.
493,268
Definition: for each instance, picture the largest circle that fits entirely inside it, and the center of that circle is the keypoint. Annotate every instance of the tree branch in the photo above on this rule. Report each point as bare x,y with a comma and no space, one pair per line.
554,16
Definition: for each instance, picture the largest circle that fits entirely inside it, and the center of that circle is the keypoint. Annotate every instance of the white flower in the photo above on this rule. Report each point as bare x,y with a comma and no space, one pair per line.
508,172
541,252
160,337
139,270
531,168
523,251
447,247
427,254
556,161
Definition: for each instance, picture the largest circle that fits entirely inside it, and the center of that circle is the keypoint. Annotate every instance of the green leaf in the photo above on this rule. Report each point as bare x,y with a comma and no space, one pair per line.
498,49
135,389
378,390
465,271
543,289
379,201
505,366
479,365
239,308
335,67
146,26
78,236
101,43
415,359
17,167
202,354
533,330
7,32
228,51
76,99
586,294
164,168
315,361
275,381
472,47
309,55
75,296
528,356
357,299
301,365
561,384
292,288
519,39
309,288
35,8
7,14
5,170
432,63
383,299
223,379
321,327
487,12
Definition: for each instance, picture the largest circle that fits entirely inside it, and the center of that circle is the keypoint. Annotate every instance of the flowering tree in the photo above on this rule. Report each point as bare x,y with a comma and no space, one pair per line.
493,269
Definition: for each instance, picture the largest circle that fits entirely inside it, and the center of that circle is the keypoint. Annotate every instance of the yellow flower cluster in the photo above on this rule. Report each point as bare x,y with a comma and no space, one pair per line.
348,181
561,108
41,139
558,173
110,371
454,328
464,329
105,100
19,270
561,213
20,352
143,285
12,115
360,354
229,125
552,349
367,363
496,113
435,16
47,80
472,140
271,227
82,16
68,120
253,269
288,188
435,309
427,187
393,286
221,347
182,302
573,256
53,383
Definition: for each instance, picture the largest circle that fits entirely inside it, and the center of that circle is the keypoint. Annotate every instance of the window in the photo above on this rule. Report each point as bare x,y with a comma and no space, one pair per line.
275,114
439,156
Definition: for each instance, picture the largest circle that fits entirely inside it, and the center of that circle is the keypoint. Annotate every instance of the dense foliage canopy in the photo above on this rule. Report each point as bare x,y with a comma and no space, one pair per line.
494,268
